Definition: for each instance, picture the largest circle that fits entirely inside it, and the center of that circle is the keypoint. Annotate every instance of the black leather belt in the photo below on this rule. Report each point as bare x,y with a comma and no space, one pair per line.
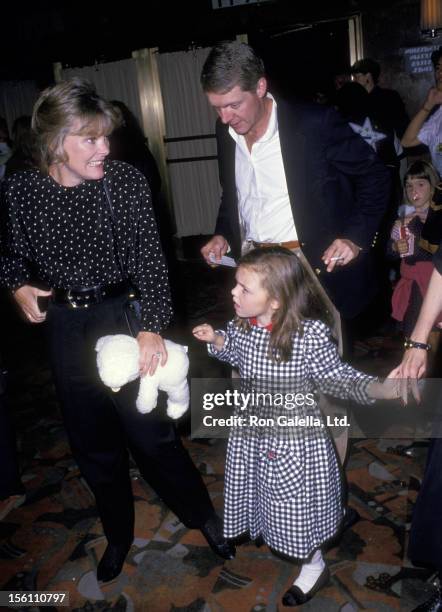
83,297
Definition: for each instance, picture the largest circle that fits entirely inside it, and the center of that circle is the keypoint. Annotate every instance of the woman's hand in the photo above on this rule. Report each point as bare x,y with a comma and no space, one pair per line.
152,352
413,367
389,389
26,298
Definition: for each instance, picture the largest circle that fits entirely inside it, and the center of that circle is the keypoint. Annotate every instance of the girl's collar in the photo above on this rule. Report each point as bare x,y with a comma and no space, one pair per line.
254,321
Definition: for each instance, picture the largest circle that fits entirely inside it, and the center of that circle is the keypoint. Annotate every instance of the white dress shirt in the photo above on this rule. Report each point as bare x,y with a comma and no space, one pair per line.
263,200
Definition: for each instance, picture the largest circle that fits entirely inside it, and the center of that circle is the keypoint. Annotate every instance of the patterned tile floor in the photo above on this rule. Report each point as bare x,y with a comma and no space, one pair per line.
53,541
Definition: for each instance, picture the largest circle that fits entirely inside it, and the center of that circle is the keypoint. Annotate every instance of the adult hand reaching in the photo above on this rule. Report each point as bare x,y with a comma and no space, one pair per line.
413,367
388,389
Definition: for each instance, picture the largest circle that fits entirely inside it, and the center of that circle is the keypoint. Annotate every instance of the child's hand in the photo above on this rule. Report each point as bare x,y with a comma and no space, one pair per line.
401,246
389,389
205,333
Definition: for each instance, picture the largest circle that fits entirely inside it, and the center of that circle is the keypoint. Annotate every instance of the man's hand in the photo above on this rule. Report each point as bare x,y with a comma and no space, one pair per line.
152,352
26,298
218,246
340,253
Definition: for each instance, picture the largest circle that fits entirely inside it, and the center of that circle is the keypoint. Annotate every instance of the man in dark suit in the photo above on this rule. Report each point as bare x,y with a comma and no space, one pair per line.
293,173
298,176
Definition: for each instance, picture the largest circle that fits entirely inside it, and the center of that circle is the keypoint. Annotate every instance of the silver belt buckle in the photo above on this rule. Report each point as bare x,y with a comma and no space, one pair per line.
73,303
71,299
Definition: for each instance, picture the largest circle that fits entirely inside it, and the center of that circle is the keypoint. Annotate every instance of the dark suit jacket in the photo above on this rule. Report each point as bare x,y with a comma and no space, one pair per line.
338,188
387,108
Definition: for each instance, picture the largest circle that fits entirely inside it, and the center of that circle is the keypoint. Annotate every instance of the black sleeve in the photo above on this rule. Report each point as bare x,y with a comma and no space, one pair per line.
227,223
15,252
147,267
399,115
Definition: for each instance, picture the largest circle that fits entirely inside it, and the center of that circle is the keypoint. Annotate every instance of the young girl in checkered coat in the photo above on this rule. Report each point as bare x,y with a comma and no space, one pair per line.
282,477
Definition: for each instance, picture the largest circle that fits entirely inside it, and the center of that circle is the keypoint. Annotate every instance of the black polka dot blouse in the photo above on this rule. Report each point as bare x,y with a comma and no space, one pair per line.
65,234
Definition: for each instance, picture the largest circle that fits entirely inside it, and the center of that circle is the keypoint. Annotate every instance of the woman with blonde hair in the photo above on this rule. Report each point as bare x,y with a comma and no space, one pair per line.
85,226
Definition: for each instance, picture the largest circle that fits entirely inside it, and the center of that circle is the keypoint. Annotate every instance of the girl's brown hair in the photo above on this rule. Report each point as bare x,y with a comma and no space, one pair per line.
59,109
285,279
421,169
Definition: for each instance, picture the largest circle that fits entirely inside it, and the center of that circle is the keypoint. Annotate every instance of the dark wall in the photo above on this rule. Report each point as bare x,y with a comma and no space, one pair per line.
80,33
387,32
303,62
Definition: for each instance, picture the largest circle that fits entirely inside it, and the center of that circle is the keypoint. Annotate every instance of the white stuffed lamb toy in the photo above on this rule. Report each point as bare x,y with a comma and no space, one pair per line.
117,360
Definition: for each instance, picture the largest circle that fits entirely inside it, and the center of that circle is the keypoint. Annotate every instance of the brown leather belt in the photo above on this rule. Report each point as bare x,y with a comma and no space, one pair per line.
292,244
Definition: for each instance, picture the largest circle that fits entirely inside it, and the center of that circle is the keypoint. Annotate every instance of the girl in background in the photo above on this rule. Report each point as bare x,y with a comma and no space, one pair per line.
411,241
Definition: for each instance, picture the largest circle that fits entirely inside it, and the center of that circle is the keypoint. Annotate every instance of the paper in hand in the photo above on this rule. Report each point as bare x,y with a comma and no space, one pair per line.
224,261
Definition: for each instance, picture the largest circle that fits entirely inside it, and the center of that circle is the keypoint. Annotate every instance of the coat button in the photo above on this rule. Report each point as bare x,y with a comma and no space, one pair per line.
318,271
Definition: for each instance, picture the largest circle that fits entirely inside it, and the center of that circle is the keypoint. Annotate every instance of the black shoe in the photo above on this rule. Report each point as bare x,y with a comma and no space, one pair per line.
351,517
434,604
112,562
295,597
212,530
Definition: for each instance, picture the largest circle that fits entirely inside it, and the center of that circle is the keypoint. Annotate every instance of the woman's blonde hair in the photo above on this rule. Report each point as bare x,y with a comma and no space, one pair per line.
285,279
59,109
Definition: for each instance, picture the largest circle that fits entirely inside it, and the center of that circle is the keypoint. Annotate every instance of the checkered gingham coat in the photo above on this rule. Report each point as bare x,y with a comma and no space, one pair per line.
284,483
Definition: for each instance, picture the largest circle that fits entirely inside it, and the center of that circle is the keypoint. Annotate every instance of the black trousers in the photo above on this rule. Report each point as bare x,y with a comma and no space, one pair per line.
102,426
425,546
10,483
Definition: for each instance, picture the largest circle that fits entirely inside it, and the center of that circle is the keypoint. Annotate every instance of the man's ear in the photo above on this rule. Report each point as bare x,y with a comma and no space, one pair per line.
261,87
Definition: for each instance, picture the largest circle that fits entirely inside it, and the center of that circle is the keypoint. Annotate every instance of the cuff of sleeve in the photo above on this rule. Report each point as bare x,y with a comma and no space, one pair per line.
361,390
359,241
150,322
211,348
